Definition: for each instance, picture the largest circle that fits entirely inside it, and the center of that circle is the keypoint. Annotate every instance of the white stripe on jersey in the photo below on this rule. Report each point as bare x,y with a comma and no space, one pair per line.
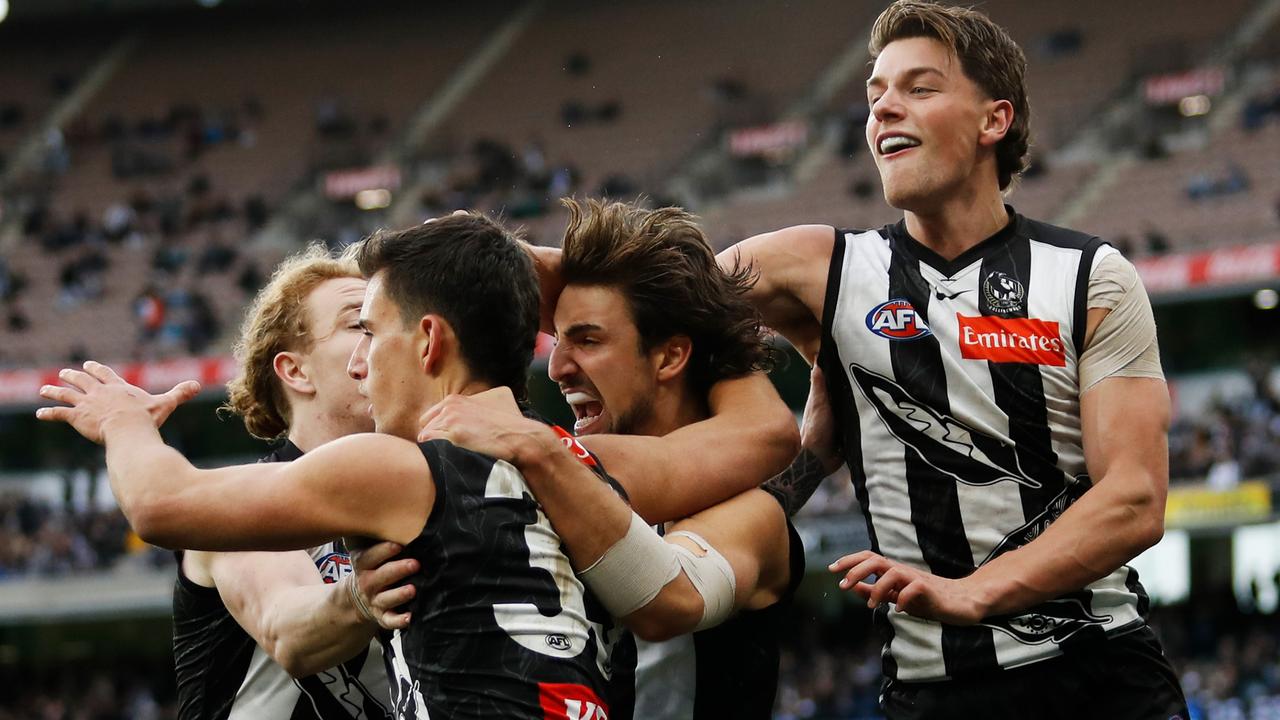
267,691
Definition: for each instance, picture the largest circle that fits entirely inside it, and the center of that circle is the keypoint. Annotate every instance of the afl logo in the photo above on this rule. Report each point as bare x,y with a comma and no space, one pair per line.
896,320
556,641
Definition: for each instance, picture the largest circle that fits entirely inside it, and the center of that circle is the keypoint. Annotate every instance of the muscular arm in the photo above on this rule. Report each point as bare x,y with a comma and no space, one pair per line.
281,601
332,492
745,532
750,436
790,289
818,456
1125,423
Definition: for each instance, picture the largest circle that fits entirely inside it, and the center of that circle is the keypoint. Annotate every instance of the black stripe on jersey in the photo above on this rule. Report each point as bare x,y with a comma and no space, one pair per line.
1081,318
1019,393
848,434
935,503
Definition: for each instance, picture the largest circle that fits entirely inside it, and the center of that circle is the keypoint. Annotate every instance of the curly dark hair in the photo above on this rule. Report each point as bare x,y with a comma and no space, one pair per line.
662,263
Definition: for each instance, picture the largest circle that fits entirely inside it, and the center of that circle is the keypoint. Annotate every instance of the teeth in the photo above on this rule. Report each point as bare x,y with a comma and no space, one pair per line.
578,398
896,143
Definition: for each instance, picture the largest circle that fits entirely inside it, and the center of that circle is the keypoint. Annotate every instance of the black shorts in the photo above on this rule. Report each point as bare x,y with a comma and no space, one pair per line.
1122,678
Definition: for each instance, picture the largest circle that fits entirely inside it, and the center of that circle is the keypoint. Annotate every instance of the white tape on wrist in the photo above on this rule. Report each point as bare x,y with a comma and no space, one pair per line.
712,577
631,573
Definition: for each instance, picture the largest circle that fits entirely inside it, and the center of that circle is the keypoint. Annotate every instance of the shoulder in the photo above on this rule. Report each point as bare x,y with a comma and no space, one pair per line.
364,455
802,243
1055,235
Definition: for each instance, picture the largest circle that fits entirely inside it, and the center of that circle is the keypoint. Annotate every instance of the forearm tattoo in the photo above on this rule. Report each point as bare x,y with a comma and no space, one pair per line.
794,486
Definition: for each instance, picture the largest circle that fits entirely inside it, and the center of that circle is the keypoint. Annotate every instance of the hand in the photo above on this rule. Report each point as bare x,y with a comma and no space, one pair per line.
99,393
818,430
912,591
374,584
484,423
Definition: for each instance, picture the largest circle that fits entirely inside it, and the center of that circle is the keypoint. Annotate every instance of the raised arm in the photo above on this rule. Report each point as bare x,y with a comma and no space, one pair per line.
330,492
750,436
303,623
789,291
546,261
658,588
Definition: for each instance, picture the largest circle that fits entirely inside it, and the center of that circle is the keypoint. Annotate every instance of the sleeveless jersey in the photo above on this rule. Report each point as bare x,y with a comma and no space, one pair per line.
955,387
223,674
502,628
728,671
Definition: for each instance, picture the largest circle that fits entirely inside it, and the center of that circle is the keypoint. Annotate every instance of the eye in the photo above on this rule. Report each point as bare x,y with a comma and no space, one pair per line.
920,90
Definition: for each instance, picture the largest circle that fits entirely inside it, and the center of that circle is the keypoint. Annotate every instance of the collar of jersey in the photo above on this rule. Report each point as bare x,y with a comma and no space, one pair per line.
951,268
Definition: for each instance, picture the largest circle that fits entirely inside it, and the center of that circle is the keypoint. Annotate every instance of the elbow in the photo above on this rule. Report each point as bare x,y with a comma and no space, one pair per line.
288,656
152,521
670,615
785,437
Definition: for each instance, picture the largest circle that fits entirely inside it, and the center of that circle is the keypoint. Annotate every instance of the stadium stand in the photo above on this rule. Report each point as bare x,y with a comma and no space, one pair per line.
135,233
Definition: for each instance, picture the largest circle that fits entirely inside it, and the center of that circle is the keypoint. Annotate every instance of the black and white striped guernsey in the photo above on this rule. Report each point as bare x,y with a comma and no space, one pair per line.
956,389
223,674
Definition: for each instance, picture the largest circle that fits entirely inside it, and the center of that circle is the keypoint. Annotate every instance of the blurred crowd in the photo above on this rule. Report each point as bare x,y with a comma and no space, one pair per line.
1235,440
43,539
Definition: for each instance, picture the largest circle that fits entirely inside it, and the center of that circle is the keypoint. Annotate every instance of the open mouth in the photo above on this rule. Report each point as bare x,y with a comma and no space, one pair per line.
896,144
588,412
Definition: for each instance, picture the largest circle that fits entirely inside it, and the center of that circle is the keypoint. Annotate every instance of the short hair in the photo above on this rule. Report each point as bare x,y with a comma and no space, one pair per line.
988,56
661,261
472,271
277,321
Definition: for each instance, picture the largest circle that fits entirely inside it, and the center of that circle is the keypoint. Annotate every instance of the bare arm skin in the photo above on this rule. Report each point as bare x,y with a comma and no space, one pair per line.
750,436
818,457
1125,424
792,265
281,601
331,492
750,530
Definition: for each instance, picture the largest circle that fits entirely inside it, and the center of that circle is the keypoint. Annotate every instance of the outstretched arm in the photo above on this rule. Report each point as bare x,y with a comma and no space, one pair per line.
745,533
750,436
330,492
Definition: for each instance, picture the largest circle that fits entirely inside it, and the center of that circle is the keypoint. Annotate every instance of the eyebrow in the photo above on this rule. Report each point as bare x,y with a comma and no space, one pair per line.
580,328
910,74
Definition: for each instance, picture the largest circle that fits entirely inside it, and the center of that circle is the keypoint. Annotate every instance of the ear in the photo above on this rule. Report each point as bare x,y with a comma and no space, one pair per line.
431,343
288,367
996,122
672,357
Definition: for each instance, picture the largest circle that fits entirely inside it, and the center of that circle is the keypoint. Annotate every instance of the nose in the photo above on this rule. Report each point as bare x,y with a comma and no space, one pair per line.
560,364
358,365
886,107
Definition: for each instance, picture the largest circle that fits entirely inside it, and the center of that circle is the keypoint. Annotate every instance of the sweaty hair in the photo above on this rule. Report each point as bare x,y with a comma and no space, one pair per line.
277,321
661,262
471,271
988,56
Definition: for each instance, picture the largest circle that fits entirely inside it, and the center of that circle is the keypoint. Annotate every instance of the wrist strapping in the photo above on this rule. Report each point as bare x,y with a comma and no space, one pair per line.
358,601
631,573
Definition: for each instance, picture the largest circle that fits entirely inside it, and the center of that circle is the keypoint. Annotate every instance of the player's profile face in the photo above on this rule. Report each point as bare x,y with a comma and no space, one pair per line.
598,363
924,126
385,365
333,314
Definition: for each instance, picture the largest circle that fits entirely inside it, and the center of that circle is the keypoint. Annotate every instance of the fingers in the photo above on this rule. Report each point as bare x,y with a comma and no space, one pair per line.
888,586
101,372
57,393
849,561
183,392
78,380
55,414
375,555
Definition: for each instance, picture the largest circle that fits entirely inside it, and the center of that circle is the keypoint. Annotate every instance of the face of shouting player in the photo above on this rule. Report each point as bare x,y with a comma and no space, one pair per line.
931,130
599,364
388,364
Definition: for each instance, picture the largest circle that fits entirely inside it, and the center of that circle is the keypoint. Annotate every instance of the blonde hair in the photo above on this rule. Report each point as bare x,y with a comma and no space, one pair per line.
277,321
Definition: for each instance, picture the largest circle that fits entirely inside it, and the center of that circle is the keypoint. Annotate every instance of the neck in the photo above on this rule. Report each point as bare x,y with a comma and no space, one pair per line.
673,408
309,432
958,223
